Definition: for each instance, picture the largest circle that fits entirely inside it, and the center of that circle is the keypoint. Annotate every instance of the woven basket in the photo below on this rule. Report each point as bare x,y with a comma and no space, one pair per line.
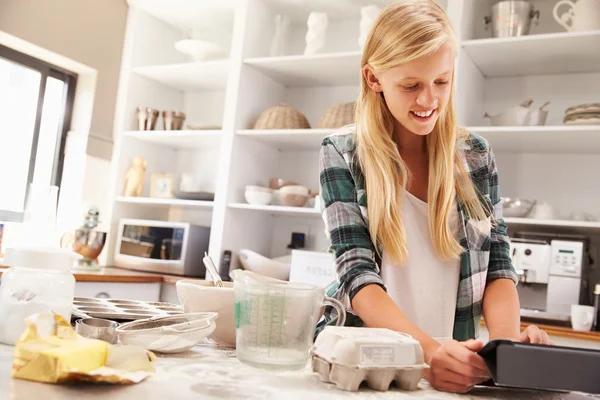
337,116
281,117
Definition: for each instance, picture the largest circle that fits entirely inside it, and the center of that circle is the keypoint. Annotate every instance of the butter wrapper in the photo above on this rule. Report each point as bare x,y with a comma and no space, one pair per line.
51,351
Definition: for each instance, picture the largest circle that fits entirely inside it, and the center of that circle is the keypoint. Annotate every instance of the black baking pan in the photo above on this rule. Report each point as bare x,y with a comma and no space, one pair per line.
542,367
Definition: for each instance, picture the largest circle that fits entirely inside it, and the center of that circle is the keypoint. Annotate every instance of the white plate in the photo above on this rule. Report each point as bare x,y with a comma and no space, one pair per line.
200,50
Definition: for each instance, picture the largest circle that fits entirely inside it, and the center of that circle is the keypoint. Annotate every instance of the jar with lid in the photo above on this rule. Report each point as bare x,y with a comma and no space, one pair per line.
38,281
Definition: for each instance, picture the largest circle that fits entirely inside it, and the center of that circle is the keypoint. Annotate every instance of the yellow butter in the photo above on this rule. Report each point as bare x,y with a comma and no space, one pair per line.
66,356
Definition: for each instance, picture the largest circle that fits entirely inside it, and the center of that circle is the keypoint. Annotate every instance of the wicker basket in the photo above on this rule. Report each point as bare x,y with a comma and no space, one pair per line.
337,116
281,117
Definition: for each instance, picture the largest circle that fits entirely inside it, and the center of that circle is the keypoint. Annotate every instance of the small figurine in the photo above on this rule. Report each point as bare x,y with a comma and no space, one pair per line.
134,179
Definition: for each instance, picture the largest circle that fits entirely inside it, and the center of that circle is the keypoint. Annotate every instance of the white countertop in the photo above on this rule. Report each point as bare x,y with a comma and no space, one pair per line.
210,372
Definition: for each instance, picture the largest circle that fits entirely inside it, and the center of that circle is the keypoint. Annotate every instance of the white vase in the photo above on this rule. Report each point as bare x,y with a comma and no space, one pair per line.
368,14
317,32
279,41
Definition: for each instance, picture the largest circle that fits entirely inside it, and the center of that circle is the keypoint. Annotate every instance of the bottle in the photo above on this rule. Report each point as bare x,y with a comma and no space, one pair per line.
38,281
596,323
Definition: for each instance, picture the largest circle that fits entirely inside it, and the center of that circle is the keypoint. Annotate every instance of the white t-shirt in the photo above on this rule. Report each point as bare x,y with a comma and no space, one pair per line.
425,287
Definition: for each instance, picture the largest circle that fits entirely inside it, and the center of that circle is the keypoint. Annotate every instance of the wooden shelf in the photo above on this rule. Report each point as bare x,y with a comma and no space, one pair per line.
189,77
554,223
278,210
335,69
554,53
289,139
183,139
189,14
147,201
542,139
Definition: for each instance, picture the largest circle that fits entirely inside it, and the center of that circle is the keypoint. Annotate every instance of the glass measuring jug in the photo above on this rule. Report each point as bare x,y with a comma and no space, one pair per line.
276,320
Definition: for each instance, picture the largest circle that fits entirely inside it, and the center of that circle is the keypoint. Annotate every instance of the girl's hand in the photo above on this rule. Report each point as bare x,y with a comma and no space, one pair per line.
533,334
456,366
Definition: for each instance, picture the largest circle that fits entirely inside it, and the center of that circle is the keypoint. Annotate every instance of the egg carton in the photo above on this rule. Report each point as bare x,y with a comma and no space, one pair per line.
120,309
349,356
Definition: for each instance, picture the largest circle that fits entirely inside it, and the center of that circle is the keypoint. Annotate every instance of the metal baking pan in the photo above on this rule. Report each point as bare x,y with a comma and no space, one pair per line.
122,310
542,367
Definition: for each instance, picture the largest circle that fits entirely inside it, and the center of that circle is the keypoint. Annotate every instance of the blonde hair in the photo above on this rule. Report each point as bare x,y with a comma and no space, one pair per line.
403,32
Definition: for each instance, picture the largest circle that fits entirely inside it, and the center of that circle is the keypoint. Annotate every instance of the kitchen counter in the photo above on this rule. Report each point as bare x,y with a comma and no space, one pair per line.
209,372
560,331
115,274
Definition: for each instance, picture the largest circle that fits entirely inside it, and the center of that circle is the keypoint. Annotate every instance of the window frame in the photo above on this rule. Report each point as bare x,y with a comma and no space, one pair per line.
46,71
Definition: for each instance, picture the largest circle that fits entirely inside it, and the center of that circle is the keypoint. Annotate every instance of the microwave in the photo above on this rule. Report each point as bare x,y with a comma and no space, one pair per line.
175,248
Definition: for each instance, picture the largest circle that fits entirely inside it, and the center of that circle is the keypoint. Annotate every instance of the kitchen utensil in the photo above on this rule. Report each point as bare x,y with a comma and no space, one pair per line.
38,281
348,356
204,296
516,208
97,328
173,120
582,317
146,117
252,261
521,115
543,210
123,310
276,320
210,267
512,18
173,334
88,244
583,15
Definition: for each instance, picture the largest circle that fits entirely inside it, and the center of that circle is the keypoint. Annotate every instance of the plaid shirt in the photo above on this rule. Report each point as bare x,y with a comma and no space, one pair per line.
486,256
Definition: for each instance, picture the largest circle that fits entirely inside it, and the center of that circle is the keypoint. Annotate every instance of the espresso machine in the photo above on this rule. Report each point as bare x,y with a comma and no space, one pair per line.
551,276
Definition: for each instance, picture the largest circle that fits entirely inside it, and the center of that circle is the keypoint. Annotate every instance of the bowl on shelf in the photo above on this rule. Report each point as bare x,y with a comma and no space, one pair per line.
200,50
265,266
294,195
278,183
516,208
203,296
258,195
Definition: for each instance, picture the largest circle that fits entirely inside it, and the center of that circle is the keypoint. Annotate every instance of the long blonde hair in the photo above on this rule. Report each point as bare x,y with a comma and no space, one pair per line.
403,32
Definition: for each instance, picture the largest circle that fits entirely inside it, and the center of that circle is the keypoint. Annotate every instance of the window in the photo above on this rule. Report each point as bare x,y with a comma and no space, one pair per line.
36,103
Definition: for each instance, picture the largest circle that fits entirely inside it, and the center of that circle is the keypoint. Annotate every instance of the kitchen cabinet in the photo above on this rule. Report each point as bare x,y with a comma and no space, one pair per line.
119,290
224,97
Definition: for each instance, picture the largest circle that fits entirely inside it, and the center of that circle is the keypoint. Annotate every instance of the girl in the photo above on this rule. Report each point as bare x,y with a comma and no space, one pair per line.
412,205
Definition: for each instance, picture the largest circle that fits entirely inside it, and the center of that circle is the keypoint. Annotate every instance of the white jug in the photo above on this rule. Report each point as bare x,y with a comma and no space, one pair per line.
583,15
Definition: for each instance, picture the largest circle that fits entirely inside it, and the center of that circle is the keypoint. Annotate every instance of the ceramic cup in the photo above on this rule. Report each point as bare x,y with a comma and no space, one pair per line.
582,317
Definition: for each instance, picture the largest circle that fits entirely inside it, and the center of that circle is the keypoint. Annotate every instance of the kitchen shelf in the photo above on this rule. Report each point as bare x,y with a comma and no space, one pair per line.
184,139
554,223
188,77
189,14
553,53
542,139
278,210
148,201
334,69
288,139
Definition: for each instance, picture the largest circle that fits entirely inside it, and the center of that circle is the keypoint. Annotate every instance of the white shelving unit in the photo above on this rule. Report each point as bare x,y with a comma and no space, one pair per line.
555,163
184,139
148,201
288,139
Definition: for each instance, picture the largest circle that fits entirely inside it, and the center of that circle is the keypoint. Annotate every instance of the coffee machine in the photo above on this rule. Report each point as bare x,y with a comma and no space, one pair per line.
551,276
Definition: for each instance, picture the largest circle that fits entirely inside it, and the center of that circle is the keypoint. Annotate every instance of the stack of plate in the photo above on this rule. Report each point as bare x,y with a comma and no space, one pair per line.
583,114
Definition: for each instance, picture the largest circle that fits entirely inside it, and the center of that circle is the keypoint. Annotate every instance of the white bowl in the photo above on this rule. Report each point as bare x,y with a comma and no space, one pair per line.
200,50
258,196
262,265
204,296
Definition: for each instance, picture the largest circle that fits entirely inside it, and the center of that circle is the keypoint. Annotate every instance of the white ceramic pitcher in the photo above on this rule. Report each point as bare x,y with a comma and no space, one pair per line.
584,15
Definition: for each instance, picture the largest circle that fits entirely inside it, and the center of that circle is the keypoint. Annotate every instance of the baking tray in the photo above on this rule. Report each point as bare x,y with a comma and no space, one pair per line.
122,310
542,367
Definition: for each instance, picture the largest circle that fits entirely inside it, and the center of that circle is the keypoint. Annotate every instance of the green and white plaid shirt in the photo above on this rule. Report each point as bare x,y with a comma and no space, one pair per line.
486,256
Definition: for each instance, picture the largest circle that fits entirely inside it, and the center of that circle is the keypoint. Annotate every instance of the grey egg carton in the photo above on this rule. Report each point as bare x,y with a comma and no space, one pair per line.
349,356
120,309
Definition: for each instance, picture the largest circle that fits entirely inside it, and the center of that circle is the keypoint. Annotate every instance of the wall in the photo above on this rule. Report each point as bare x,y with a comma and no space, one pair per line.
88,31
